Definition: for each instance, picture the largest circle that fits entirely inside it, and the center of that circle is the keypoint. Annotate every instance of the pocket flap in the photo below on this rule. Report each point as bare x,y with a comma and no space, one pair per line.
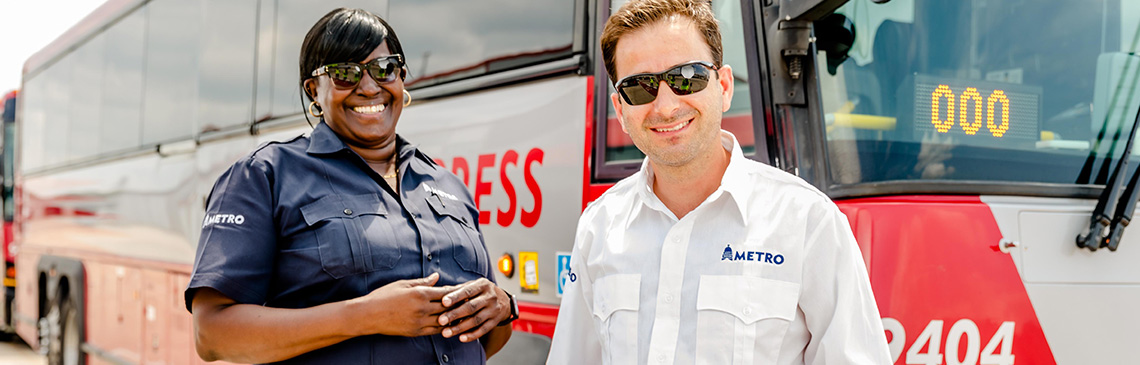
446,207
748,298
616,292
342,206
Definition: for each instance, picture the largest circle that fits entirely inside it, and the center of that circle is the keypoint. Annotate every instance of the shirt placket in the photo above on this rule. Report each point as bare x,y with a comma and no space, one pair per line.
667,317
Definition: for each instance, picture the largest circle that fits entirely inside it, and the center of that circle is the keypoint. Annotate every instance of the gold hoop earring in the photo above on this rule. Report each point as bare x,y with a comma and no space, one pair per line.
407,97
315,115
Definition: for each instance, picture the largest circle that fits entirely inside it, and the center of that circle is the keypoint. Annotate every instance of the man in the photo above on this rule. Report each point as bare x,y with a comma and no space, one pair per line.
705,256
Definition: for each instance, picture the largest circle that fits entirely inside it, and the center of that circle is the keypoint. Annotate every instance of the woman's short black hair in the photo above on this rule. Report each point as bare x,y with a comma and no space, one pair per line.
345,35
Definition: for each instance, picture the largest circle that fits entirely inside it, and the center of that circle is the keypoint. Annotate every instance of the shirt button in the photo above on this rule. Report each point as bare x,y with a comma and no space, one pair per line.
660,357
347,211
676,239
668,298
747,310
445,358
429,256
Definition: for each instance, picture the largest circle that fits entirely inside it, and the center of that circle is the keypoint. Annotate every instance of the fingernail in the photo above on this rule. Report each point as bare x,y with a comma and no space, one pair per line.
447,333
443,320
463,338
447,302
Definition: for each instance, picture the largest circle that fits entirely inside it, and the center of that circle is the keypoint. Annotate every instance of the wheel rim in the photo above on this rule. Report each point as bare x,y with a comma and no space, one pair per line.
50,335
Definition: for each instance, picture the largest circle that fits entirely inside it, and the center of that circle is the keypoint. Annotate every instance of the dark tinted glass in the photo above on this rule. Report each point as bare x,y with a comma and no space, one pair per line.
226,77
1007,91
57,108
172,57
32,120
447,40
120,113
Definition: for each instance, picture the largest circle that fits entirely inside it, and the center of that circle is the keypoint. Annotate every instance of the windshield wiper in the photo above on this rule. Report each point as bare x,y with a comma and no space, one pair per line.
1105,231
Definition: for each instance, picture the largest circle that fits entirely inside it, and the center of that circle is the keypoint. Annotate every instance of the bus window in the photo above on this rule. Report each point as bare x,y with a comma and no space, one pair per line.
619,148
225,87
463,39
957,90
172,51
86,99
57,110
120,120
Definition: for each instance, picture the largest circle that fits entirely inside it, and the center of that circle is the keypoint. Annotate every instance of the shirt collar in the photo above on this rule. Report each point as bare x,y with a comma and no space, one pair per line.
735,182
323,140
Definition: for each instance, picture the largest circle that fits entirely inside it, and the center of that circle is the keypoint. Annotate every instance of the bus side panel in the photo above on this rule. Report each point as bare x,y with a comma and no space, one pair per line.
26,303
156,320
1086,301
942,286
519,149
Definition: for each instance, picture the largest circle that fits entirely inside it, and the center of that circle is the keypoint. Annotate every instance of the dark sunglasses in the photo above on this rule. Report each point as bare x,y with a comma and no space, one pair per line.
348,74
684,79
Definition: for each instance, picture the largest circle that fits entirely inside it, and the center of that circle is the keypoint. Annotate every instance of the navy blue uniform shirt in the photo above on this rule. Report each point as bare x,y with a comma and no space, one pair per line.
301,223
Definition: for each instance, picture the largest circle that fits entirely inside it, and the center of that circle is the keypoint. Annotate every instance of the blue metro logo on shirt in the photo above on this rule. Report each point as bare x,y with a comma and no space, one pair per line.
756,256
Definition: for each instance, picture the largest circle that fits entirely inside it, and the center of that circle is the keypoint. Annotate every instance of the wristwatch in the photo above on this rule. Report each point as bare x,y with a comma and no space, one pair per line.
514,311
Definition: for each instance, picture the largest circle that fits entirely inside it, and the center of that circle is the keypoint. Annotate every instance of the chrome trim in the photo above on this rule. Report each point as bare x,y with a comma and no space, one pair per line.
104,354
927,187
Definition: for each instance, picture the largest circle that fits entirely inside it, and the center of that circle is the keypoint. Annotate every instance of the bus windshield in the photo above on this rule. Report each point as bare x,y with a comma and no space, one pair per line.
980,90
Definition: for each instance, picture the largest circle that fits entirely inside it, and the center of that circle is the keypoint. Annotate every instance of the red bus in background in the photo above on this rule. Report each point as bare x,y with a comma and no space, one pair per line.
967,142
7,163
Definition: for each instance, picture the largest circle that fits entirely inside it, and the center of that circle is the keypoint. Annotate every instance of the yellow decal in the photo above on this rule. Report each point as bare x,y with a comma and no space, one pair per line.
529,277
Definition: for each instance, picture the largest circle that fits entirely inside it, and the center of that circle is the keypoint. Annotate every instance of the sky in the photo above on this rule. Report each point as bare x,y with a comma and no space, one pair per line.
26,26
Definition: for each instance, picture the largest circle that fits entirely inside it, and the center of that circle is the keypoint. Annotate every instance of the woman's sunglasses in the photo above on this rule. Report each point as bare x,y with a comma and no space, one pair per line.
348,74
684,79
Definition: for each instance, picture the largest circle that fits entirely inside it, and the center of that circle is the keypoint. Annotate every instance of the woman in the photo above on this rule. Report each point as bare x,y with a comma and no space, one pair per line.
349,245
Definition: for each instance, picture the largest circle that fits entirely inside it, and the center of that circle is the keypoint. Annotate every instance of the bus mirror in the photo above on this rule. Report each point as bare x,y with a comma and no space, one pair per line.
835,34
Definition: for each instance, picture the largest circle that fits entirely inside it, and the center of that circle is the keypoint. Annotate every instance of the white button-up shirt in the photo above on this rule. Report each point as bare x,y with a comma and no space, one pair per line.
764,271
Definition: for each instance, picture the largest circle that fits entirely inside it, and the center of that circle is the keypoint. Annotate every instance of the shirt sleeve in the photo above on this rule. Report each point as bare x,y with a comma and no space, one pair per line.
839,307
237,246
576,338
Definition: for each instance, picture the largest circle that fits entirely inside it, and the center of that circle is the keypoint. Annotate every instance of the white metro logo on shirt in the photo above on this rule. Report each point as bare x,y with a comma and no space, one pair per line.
756,256
434,191
237,219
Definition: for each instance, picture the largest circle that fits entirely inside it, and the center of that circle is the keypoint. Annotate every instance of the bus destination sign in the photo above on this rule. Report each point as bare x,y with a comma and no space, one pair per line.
974,112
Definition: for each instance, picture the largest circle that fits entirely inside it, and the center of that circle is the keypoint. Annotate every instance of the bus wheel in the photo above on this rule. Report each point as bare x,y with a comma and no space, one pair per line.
59,333
51,329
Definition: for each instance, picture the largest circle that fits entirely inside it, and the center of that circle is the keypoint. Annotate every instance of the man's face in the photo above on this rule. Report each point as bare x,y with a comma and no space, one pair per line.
672,130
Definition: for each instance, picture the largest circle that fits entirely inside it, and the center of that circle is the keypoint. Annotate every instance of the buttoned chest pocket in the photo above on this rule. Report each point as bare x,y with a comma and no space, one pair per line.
734,312
353,234
616,302
467,248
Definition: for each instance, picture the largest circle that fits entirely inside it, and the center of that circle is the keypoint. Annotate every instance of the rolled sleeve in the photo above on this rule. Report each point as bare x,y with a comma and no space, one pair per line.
236,249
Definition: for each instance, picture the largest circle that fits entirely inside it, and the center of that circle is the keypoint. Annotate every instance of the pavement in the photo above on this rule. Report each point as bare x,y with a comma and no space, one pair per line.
17,353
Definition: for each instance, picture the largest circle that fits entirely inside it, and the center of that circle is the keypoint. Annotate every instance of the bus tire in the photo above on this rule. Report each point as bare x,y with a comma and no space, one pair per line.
59,333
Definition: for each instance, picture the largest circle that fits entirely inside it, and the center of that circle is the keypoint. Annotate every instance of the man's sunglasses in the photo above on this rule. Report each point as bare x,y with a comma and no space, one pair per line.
348,74
684,79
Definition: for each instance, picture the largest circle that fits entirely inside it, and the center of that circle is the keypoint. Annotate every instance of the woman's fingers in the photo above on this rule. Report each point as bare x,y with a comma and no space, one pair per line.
466,309
478,333
467,291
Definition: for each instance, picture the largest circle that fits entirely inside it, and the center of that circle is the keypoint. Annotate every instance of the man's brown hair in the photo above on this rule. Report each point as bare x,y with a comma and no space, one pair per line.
640,13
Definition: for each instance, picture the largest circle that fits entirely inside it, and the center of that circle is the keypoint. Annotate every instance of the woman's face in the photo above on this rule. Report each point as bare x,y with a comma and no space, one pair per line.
364,116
